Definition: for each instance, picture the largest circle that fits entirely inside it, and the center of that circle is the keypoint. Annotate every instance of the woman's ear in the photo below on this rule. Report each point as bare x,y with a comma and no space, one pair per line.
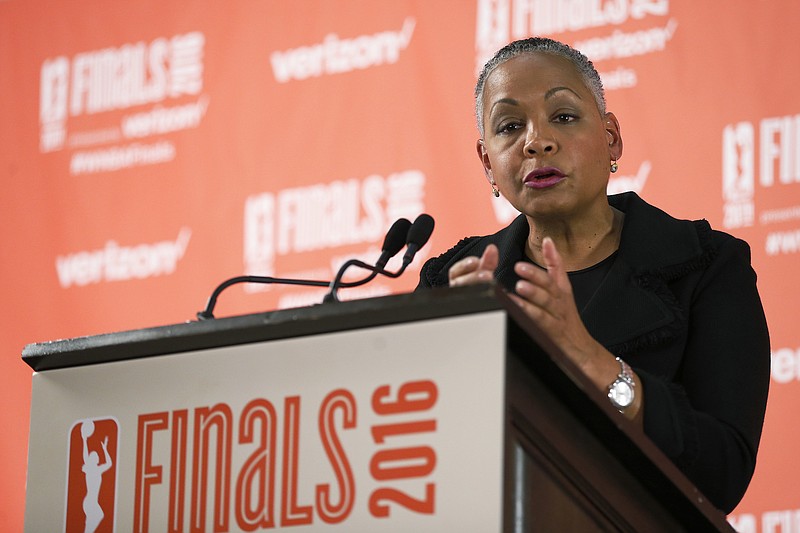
614,136
484,157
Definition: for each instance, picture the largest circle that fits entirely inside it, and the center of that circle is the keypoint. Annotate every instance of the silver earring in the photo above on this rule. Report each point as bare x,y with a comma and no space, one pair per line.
614,166
495,190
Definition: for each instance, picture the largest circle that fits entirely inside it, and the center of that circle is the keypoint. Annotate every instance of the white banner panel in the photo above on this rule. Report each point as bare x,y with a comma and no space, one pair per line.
396,428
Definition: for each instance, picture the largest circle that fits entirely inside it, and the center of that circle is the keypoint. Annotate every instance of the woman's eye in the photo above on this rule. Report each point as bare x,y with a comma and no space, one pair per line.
509,127
565,118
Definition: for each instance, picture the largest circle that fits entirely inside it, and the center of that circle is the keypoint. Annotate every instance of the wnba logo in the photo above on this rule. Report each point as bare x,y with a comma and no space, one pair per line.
92,476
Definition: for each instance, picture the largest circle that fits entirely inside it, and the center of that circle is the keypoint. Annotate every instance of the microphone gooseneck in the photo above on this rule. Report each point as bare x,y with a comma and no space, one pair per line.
208,312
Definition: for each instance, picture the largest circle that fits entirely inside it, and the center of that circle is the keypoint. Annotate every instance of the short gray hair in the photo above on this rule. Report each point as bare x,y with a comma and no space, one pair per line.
544,45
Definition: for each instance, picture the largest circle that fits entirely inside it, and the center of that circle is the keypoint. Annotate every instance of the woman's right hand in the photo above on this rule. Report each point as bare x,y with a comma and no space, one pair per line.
473,270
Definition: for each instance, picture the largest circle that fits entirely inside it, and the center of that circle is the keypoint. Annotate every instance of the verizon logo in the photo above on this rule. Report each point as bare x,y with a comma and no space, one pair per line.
334,55
121,263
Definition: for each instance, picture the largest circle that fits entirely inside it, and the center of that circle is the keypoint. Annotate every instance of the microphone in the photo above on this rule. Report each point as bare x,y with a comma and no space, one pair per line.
416,237
393,242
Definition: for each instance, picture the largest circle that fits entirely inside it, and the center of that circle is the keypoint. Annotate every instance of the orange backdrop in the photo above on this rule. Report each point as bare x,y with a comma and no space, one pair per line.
151,149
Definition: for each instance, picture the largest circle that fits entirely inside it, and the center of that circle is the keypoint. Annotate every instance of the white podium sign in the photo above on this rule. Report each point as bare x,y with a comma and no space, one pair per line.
393,428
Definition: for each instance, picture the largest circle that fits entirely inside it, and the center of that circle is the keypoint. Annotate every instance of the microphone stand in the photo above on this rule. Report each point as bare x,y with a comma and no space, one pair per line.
208,312
393,243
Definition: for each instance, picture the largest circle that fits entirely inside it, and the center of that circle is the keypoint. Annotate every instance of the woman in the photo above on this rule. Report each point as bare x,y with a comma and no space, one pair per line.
613,281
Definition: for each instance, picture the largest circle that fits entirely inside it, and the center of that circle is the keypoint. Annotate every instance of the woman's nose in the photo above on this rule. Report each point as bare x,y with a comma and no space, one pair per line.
538,142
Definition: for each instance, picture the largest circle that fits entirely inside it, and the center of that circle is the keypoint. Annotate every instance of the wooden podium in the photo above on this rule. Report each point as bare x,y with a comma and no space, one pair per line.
437,411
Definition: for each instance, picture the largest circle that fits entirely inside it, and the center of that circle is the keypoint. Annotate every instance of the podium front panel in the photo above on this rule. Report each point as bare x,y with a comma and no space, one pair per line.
392,428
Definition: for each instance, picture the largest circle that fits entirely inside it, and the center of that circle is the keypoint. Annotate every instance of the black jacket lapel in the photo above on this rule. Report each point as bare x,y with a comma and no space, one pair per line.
634,303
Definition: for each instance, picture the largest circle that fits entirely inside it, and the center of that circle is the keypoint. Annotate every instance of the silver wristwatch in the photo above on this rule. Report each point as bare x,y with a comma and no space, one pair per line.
622,391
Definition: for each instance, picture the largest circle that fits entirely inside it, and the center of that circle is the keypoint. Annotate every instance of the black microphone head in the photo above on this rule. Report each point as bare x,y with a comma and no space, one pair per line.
418,234
420,231
396,237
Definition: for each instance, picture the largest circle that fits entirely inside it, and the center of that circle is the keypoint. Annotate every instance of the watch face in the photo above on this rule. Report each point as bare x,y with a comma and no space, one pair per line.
621,394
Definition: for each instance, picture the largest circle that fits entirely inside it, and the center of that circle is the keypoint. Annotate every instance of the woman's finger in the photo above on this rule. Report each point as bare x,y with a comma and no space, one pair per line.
465,266
490,258
554,264
475,269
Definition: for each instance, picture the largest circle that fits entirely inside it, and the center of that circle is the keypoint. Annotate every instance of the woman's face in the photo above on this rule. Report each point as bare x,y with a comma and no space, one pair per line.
545,144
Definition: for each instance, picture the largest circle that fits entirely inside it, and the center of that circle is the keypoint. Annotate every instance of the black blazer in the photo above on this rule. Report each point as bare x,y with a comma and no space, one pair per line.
680,305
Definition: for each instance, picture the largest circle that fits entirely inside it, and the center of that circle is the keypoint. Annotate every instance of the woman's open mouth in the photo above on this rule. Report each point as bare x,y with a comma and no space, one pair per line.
544,177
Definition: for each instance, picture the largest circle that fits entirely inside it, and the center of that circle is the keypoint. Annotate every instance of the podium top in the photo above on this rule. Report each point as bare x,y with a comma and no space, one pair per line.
257,327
